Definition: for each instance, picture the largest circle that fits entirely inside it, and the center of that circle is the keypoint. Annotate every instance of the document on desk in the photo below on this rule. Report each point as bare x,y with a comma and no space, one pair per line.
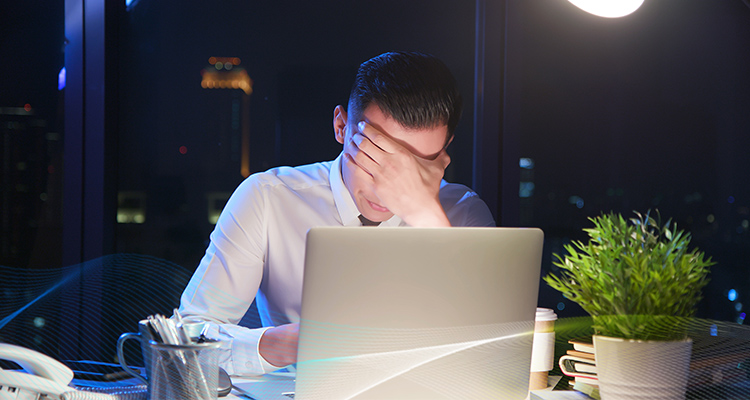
273,386
558,395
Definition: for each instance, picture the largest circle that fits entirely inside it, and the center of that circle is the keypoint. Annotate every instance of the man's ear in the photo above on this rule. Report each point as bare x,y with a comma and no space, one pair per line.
450,140
339,123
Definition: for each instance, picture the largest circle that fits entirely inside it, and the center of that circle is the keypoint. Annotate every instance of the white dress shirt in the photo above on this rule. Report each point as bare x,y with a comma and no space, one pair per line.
257,251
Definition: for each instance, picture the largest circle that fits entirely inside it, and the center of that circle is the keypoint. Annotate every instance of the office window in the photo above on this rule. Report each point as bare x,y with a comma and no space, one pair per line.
32,84
213,92
644,112
196,96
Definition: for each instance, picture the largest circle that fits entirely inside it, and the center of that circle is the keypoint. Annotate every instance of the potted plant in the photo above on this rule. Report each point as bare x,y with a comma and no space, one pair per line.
640,283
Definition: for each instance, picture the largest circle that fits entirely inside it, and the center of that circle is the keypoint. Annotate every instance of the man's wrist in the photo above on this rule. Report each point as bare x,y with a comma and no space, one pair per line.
278,346
265,364
427,217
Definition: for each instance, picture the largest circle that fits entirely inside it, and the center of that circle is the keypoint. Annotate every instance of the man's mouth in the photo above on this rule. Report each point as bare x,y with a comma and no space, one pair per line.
376,207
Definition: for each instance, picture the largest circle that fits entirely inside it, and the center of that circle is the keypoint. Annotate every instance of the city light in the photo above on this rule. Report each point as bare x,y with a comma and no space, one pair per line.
732,295
526,189
577,200
61,79
129,4
226,73
131,208
216,203
526,163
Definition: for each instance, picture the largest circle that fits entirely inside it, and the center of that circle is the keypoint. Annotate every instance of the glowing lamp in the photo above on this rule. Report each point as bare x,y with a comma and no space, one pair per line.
608,8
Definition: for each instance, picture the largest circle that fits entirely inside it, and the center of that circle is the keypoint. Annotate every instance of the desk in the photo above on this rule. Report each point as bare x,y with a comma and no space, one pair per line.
135,390
241,381
736,390
271,386
716,345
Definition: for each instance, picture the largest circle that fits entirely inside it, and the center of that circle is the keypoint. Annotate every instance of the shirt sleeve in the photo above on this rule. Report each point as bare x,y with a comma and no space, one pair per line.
464,207
228,277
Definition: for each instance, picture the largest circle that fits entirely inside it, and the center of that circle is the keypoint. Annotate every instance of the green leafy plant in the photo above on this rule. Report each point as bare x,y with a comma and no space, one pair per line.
636,278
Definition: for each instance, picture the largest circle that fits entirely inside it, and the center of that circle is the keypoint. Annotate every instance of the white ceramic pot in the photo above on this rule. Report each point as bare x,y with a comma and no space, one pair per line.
634,369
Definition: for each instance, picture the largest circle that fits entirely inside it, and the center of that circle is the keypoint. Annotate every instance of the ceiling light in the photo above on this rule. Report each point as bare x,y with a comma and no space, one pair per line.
608,8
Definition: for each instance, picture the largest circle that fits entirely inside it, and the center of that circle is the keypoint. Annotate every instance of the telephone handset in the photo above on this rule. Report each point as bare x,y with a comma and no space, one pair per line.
43,376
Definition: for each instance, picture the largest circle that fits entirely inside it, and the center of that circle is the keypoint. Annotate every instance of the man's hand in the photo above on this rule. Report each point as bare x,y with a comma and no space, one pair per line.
278,345
408,185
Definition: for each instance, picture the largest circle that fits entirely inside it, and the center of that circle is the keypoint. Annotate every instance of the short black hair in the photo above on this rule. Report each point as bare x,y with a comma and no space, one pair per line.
415,89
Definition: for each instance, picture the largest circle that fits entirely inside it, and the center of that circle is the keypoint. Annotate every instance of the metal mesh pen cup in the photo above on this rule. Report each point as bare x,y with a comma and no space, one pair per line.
184,372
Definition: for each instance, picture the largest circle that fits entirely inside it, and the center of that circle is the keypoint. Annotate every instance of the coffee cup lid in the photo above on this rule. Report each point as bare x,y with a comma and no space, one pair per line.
545,314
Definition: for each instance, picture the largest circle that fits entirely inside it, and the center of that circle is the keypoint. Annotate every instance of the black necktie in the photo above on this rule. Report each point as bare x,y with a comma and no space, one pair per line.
367,222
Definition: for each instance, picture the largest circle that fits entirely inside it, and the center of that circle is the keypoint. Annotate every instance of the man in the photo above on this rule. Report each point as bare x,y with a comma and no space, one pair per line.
401,115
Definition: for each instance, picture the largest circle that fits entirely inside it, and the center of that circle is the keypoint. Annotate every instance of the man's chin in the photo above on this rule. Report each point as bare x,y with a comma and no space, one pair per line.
376,215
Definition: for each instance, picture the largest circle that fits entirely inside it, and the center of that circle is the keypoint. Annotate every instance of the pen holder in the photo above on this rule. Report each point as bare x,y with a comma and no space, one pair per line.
184,372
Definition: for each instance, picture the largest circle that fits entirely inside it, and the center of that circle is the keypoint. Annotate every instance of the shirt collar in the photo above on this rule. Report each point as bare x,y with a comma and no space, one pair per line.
345,205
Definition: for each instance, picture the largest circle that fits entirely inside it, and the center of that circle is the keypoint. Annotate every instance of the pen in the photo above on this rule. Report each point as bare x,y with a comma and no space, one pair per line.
181,333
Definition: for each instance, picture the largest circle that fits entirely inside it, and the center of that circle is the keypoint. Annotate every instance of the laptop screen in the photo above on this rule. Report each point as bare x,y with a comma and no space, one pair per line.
418,312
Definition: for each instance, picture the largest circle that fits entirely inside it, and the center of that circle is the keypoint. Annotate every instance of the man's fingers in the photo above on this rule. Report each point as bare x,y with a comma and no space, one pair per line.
378,139
440,162
353,164
384,159
364,145
444,159
366,149
359,156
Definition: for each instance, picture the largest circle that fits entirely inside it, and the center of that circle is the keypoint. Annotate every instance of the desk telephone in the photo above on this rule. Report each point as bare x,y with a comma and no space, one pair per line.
42,378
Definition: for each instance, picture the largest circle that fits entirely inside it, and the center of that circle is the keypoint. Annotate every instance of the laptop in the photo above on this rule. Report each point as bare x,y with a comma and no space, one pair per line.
415,313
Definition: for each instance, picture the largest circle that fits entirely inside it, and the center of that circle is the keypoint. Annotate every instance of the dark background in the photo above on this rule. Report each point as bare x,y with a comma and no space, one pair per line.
650,111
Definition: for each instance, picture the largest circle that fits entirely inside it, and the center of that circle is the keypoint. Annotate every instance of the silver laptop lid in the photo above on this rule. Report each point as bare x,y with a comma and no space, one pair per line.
418,313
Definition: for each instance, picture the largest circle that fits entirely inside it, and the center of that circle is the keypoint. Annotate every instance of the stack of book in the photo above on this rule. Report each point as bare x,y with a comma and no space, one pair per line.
580,364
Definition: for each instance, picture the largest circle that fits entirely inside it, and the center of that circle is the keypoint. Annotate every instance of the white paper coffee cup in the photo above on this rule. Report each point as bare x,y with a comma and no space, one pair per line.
543,350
